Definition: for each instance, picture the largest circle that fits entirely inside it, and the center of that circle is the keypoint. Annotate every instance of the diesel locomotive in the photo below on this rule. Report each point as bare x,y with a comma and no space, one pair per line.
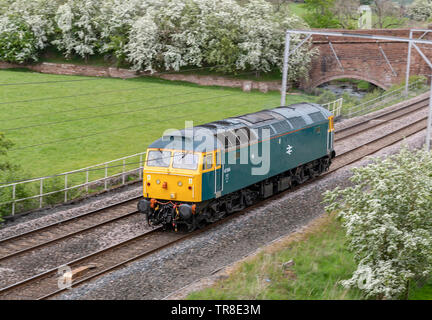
200,174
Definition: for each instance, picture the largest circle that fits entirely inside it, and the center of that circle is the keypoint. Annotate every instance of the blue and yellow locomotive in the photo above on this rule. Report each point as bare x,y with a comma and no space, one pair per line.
200,174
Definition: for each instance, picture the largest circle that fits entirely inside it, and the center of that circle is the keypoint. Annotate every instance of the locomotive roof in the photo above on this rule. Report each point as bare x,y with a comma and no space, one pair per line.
203,138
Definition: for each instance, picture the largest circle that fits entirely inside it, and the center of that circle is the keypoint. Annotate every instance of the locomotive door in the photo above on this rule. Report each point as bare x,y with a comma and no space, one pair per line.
330,134
218,175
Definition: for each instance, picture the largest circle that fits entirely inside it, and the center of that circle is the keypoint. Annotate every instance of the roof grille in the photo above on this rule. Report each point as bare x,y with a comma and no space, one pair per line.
261,129
317,116
282,126
257,117
297,122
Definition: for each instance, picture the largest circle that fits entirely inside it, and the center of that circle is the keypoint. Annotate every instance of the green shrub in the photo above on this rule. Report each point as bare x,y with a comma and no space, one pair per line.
387,215
326,96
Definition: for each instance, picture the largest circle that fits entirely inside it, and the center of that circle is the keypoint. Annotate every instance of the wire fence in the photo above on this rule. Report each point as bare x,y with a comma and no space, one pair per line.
389,97
30,194
39,192
335,107
25,195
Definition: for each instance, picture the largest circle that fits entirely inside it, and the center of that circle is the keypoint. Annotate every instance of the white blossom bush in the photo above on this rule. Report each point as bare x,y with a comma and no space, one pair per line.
144,46
155,35
79,27
214,33
387,215
420,10
263,40
117,18
218,31
174,31
25,28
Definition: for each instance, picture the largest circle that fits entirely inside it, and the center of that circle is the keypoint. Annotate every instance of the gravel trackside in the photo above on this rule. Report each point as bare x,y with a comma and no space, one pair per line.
173,268
165,272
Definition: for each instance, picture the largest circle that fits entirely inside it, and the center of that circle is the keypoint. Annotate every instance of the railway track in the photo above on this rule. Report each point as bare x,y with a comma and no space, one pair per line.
54,232
377,144
45,284
379,119
62,230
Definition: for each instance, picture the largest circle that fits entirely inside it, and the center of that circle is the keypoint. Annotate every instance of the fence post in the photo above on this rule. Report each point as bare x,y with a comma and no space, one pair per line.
124,168
13,198
106,176
41,193
87,181
66,185
140,165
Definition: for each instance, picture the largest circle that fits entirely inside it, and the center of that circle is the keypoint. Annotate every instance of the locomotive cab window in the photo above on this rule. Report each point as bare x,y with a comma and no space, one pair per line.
183,160
208,162
158,158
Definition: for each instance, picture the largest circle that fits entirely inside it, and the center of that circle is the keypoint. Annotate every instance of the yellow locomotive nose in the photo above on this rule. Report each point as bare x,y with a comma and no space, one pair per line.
173,180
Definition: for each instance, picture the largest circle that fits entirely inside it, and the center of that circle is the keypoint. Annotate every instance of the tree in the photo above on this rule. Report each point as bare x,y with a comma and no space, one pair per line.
214,33
168,36
116,20
420,10
9,172
25,28
387,14
319,14
79,27
387,216
346,12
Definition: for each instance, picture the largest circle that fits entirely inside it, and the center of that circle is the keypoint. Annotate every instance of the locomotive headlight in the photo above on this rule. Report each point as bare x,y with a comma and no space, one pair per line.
157,181
179,183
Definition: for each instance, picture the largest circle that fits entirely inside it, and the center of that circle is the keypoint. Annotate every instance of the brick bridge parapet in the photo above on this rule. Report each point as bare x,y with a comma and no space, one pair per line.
364,60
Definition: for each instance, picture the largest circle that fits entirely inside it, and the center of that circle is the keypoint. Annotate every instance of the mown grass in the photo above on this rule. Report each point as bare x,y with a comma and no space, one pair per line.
113,117
274,75
321,260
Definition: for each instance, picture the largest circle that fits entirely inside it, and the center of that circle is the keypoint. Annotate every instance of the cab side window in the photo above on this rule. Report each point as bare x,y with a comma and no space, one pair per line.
208,162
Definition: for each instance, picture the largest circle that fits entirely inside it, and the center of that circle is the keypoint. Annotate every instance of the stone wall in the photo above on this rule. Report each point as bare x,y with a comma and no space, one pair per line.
84,70
246,85
72,69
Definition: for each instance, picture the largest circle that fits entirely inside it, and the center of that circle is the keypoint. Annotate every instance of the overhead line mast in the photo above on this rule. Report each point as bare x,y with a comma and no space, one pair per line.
410,41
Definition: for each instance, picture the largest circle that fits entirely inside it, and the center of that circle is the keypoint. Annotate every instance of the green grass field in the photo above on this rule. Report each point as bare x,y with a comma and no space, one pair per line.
100,119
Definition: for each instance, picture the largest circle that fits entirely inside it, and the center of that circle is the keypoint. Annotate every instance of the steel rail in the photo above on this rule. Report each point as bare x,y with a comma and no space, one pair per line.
56,224
391,138
400,134
66,236
26,233
53,271
366,124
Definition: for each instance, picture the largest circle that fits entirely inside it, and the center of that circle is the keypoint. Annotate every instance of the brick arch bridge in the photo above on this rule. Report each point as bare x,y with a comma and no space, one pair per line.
382,63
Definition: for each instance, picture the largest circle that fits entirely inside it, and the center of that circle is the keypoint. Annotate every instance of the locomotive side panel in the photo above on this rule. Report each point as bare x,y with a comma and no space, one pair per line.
287,152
